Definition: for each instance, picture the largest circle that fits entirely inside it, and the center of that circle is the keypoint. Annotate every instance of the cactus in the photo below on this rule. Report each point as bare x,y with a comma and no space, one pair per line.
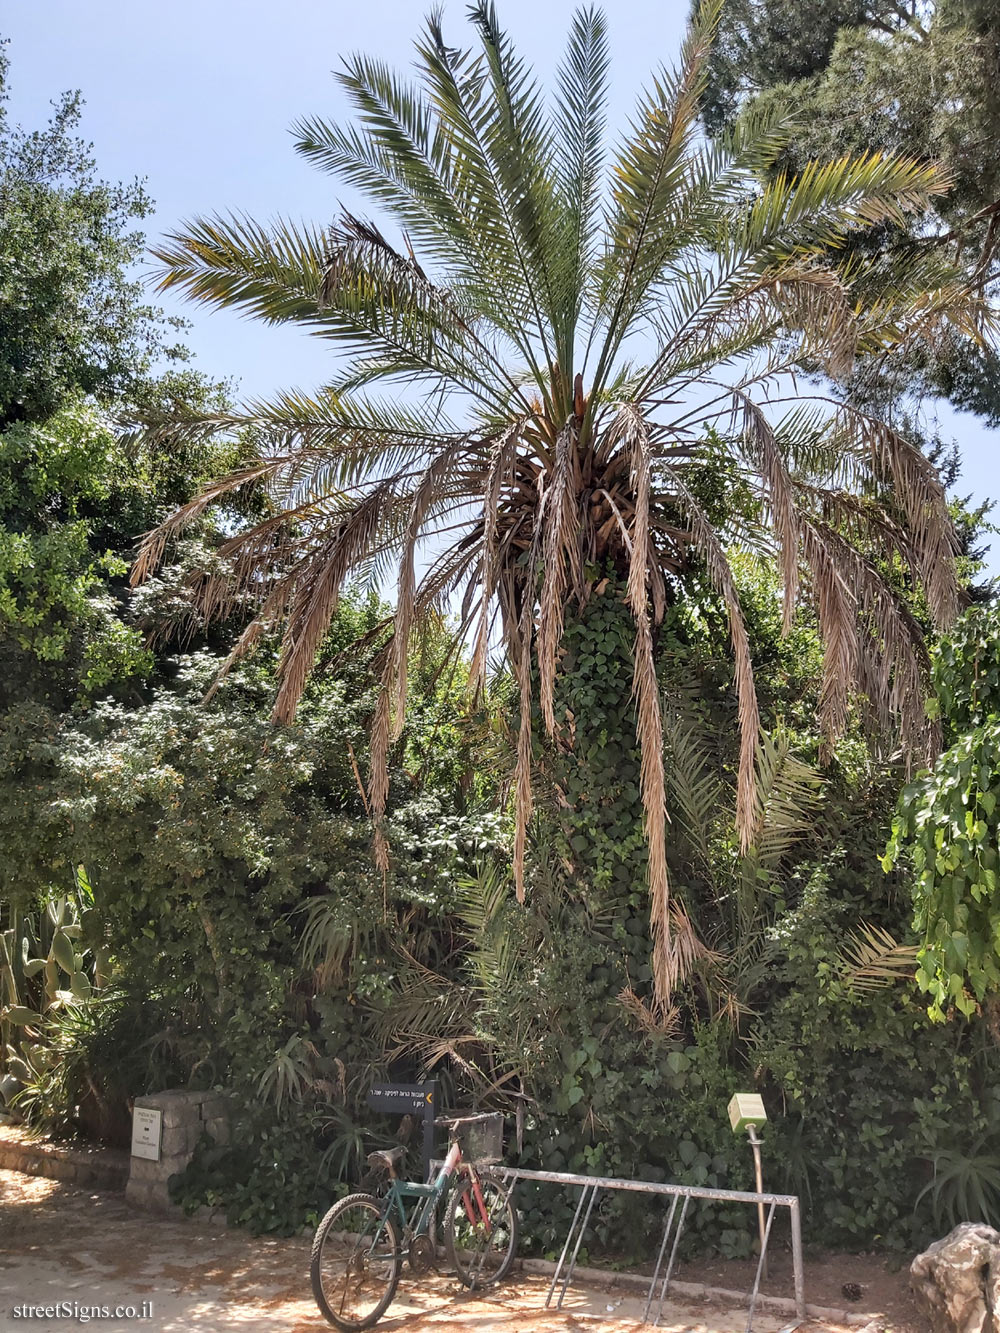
80,986
51,978
62,951
21,1016
46,965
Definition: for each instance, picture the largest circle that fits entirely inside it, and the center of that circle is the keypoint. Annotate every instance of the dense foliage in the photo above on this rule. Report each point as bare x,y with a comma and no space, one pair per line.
877,1103
947,825
189,895
556,348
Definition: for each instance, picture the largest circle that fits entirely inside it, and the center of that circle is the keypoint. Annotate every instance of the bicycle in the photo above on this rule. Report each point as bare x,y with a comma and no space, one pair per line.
359,1246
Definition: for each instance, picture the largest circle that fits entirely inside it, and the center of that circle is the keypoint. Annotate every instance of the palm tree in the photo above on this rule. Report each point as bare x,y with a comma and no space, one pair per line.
543,361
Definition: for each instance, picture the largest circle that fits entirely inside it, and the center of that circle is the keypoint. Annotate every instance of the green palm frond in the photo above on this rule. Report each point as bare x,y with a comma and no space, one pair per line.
489,167
440,1017
693,784
273,273
578,129
825,202
399,156
650,169
495,947
421,1008
521,148
347,285
787,796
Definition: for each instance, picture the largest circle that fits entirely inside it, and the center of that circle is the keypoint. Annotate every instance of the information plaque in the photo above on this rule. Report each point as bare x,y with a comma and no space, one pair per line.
147,1124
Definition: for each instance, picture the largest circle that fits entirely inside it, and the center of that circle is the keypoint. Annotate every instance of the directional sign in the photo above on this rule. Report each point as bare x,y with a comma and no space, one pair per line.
402,1097
409,1099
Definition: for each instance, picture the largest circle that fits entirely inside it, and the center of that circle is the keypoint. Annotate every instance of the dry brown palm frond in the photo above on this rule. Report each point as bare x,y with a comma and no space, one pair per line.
873,958
285,469
267,617
675,945
317,592
256,559
378,778
921,498
818,307
860,519
558,518
433,1051
838,631
664,1023
153,545
708,545
523,801
760,438
501,466
426,495
892,664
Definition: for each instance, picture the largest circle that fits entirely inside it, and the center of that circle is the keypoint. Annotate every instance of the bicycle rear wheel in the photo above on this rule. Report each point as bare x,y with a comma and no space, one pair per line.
481,1236
355,1262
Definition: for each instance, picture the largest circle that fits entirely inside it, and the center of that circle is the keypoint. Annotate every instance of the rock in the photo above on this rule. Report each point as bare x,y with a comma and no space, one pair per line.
956,1281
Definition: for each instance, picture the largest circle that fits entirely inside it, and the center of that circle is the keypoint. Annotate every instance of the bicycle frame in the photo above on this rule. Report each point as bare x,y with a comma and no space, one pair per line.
421,1215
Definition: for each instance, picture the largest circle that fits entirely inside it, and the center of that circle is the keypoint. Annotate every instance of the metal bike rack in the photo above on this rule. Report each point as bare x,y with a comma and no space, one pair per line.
591,1186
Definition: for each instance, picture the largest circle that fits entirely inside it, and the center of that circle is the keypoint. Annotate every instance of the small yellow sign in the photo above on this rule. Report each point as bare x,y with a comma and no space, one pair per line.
745,1109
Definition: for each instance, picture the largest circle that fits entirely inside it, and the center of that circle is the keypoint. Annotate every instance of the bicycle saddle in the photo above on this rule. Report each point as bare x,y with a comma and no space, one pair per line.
387,1157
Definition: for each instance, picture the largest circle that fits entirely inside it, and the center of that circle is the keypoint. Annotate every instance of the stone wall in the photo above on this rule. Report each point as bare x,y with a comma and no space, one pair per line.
90,1166
186,1116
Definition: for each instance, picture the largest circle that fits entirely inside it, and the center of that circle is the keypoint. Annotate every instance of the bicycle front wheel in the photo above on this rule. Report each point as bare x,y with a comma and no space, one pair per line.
480,1229
355,1262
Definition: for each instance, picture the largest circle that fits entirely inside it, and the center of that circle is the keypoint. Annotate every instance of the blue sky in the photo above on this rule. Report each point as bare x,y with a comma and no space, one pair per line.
197,98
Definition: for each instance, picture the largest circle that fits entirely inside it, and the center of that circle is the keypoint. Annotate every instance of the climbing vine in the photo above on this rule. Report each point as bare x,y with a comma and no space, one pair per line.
947,825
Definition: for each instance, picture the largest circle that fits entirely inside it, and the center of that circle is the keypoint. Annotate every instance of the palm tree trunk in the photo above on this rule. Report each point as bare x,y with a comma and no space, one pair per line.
590,803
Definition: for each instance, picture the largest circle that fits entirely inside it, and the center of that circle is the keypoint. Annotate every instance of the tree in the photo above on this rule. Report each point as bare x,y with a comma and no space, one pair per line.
72,320
572,367
77,345
887,76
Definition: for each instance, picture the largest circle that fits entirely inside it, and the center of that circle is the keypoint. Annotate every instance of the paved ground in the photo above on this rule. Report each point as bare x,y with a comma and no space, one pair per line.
61,1244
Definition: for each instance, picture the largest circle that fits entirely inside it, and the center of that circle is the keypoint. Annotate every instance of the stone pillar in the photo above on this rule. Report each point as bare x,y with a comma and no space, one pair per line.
186,1116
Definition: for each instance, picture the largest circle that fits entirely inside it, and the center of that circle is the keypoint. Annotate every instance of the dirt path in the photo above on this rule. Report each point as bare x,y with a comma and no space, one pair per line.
60,1244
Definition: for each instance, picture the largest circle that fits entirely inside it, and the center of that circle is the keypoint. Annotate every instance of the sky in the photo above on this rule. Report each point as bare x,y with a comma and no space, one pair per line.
197,99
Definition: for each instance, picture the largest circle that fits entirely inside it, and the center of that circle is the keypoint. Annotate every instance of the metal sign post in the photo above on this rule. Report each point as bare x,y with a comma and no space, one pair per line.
755,1143
410,1099
746,1111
